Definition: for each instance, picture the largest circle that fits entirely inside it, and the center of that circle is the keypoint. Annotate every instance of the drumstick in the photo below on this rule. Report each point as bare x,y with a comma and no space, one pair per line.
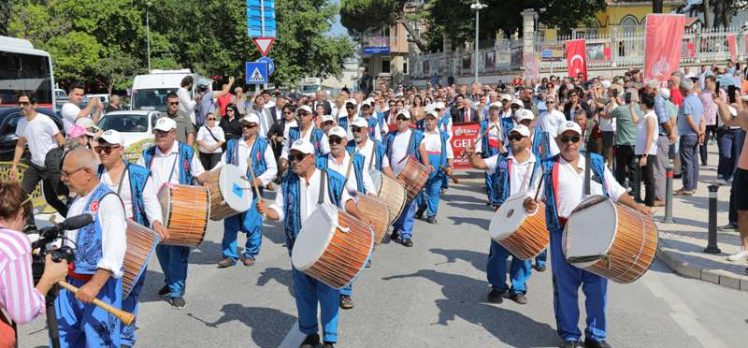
126,317
540,185
478,139
252,172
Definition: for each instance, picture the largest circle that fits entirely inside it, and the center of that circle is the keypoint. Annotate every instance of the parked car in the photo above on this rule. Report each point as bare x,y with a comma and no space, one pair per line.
135,125
8,122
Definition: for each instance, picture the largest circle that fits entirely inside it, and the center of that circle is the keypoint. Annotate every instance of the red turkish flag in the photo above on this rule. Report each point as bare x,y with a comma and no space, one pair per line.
732,46
663,36
576,57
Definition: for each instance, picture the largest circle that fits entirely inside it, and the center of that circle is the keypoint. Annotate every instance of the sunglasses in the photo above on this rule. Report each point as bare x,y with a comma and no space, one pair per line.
249,126
350,106
297,157
574,139
401,118
515,106
550,102
66,174
304,114
288,112
106,149
357,129
335,140
515,137
173,103
212,119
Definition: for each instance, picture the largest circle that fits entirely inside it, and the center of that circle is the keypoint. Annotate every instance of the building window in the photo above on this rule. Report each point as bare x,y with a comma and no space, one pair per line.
385,66
629,24
405,68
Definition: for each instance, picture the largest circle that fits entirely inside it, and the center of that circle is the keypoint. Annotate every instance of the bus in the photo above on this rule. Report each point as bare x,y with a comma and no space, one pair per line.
24,68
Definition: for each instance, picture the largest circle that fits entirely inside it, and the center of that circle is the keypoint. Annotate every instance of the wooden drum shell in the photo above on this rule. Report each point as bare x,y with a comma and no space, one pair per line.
141,244
393,195
186,210
415,175
531,238
219,209
375,210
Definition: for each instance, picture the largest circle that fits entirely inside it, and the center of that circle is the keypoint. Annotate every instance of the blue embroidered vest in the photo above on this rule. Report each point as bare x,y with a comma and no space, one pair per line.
550,170
358,170
257,153
185,161
89,248
379,152
486,150
415,142
294,133
138,176
503,177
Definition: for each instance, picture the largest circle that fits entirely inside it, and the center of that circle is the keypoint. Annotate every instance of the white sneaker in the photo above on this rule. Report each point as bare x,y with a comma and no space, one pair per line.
741,255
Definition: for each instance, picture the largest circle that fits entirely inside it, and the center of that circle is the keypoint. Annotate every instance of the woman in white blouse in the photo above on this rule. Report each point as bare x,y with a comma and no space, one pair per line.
645,150
210,137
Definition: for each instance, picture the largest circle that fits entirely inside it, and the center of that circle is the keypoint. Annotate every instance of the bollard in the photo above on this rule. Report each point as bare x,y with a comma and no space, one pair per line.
668,219
712,247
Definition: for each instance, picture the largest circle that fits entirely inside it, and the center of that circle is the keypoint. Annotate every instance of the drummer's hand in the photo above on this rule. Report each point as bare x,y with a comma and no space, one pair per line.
530,204
470,150
257,182
431,168
87,293
449,171
645,210
162,231
261,207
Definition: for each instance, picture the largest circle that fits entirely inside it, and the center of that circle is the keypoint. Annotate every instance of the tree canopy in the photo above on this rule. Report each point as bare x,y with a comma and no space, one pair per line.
105,40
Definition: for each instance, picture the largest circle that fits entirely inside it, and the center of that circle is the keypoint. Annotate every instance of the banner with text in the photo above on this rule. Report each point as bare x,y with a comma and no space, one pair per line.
463,136
663,38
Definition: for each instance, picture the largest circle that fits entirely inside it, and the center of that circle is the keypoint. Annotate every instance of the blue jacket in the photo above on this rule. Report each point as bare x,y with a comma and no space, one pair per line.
415,142
89,250
257,153
138,176
358,170
185,161
316,138
379,152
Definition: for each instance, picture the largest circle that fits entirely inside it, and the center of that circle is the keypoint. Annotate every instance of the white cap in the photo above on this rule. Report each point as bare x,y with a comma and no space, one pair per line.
337,131
518,103
305,108
506,97
431,112
404,113
251,118
360,122
327,118
88,124
351,101
439,106
521,129
113,137
303,146
165,124
665,93
570,126
369,102
524,114
495,105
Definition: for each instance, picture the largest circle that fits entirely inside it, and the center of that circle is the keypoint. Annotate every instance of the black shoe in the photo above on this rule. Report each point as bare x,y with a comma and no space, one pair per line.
596,344
310,341
419,212
496,296
407,242
177,302
539,268
431,220
572,344
328,345
164,291
226,263
489,204
346,302
519,298
395,236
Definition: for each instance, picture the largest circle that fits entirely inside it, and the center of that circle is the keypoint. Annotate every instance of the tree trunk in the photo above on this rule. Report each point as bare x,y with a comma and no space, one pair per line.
657,6
416,39
707,15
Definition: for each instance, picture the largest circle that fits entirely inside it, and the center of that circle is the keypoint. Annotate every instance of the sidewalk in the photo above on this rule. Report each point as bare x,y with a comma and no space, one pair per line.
682,243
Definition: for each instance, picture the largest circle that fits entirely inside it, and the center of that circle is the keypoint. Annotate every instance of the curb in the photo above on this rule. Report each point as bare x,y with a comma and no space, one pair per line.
728,279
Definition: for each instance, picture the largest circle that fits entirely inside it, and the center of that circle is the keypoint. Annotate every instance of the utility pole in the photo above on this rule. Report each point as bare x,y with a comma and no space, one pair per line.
477,6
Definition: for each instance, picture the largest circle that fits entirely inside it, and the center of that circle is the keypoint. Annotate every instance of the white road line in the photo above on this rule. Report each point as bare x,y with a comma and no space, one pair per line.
682,314
294,337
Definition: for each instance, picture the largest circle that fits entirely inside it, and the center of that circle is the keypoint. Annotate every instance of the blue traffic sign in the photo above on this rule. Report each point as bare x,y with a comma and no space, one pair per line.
269,62
261,18
256,73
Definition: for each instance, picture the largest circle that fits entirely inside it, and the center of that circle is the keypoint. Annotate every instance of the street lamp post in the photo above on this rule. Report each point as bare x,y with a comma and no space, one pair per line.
477,6
148,33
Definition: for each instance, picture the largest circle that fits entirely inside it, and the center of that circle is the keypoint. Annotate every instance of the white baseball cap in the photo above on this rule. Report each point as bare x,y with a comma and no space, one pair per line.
495,105
303,146
570,126
351,101
360,122
337,131
113,137
327,118
524,114
439,106
404,113
369,102
305,108
165,124
87,124
432,112
521,129
506,97
518,103
251,118
665,93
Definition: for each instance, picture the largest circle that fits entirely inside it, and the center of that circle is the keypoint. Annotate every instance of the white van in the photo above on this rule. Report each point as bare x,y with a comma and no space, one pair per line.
149,91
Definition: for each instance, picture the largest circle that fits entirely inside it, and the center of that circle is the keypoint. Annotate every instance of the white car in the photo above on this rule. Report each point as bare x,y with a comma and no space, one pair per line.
135,125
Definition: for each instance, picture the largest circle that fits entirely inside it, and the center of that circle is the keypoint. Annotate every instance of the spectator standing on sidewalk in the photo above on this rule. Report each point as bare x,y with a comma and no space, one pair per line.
710,115
210,137
185,128
626,117
186,103
71,110
691,128
114,103
665,137
646,150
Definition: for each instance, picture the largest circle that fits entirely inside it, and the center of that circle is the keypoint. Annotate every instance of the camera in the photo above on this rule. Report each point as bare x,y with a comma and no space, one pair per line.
50,234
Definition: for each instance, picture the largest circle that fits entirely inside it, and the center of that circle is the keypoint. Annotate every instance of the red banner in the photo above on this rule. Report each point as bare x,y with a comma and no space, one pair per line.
463,135
576,57
662,39
732,46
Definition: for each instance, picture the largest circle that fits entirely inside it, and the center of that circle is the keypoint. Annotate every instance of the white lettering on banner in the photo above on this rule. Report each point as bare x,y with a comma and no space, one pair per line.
462,143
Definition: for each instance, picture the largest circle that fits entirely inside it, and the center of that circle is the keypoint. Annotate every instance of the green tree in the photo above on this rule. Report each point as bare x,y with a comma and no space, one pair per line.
361,16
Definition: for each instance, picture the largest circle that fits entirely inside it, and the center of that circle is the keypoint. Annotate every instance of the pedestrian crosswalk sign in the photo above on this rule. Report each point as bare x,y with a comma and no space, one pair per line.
256,73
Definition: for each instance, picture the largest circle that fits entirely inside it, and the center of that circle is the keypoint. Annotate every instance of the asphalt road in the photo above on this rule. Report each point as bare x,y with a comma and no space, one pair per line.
431,295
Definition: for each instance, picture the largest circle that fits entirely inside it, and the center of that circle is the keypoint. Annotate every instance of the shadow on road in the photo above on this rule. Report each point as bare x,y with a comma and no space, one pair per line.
459,220
282,276
477,259
464,298
269,326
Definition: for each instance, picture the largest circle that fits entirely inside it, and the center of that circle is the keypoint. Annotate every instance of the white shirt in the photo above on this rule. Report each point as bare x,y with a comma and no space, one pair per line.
243,155
342,169
433,143
113,236
377,129
348,131
152,205
40,134
571,186
324,146
204,135
520,175
370,156
641,136
265,121
608,125
186,104
494,133
399,151
69,114
162,163
308,197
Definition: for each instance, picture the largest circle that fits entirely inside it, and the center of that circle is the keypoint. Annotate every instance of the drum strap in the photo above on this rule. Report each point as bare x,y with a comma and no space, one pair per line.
122,178
373,154
322,180
174,165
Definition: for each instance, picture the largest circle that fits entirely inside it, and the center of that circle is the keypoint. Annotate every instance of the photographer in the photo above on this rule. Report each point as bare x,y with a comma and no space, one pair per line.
20,302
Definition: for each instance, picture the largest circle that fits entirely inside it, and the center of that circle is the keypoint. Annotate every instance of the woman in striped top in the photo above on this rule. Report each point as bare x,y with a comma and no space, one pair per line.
20,302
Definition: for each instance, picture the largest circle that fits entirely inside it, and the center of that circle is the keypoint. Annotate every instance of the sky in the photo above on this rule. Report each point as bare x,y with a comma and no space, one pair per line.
337,28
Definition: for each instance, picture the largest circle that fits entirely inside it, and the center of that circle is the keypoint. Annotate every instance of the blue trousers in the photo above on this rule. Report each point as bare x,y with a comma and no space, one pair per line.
309,292
86,325
496,269
540,259
728,152
132,304
566,281
173,260
689,162
249,222
430,195
404,224
489,179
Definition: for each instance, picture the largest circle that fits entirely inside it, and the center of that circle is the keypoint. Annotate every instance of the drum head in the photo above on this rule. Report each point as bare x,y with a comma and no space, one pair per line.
376,178
590,230
508,218
164,198
236,191
315,235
